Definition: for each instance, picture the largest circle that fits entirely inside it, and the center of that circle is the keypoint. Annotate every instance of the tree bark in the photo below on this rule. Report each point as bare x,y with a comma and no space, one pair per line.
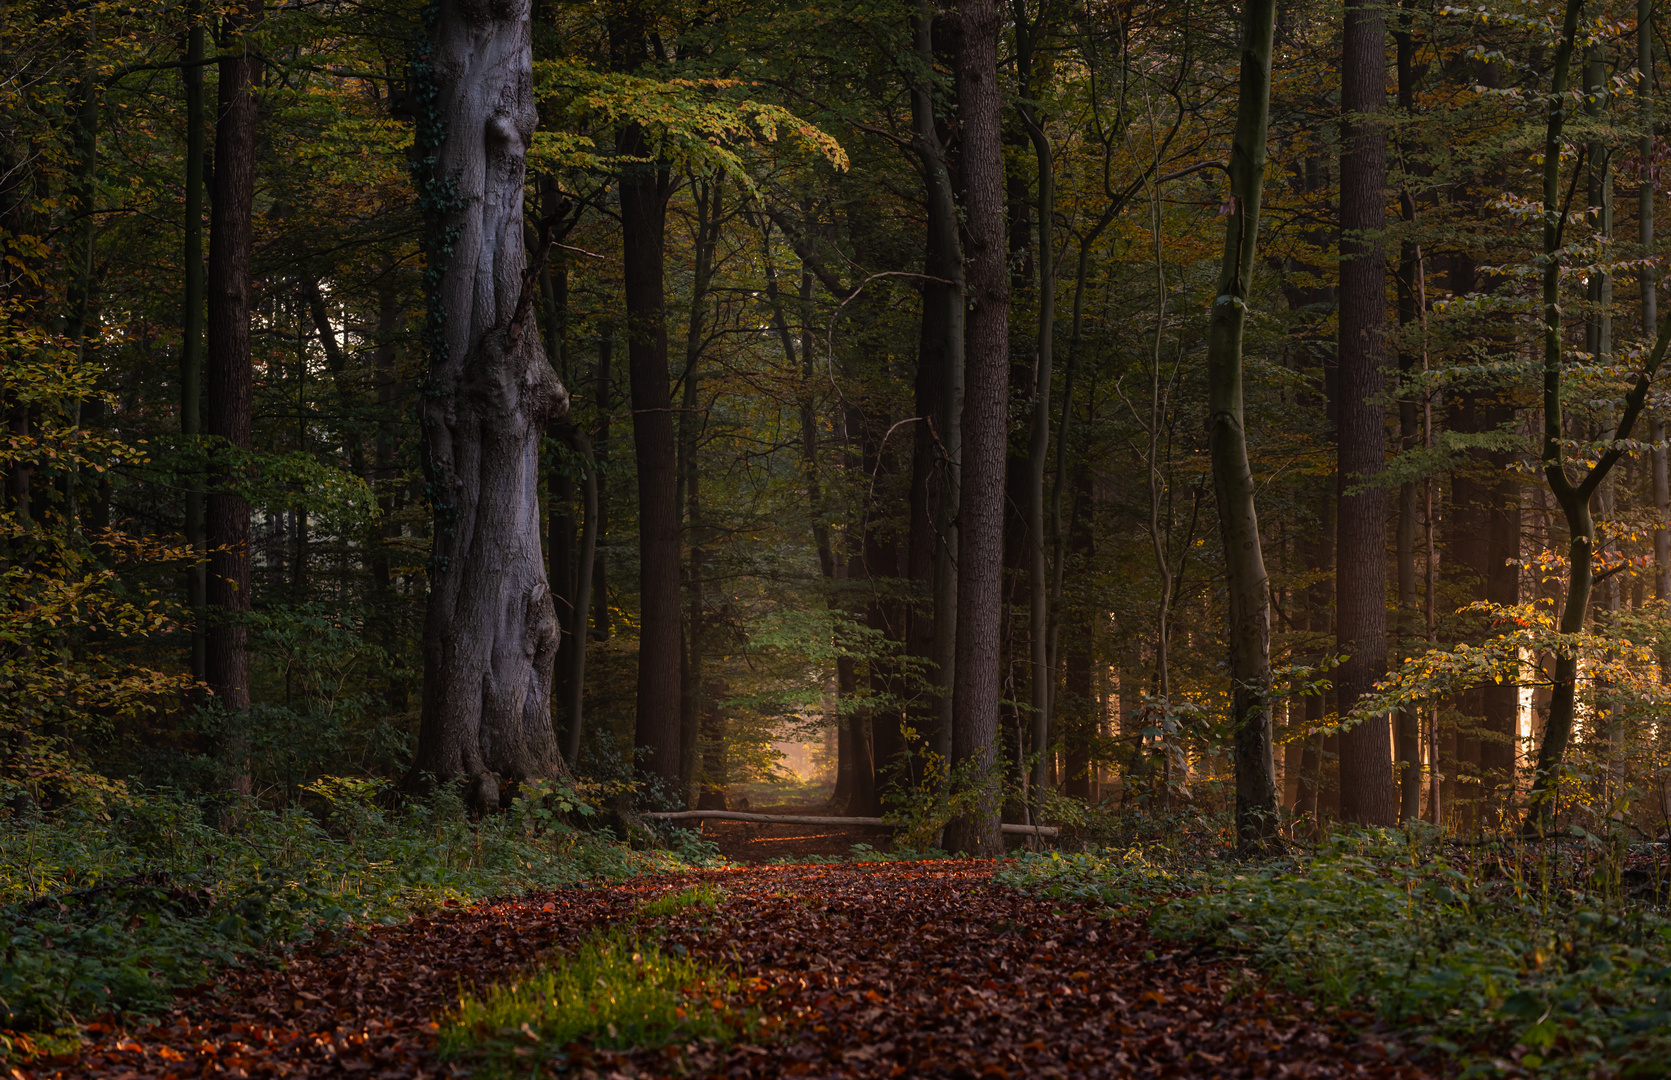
575,684
191,337
491,631
1249,629
944,308
644,190
1366,781
1038,442
985,434
1660,460
600,564
229,389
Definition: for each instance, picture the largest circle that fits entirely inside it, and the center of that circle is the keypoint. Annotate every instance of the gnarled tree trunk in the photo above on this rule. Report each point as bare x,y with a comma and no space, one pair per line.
491,632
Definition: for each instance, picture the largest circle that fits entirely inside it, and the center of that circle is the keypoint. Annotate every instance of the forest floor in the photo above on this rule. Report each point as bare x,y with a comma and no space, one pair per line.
899,969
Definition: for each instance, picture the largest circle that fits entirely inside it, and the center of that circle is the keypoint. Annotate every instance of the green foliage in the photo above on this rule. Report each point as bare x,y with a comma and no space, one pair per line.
705,896
1519,953
111,906
614,991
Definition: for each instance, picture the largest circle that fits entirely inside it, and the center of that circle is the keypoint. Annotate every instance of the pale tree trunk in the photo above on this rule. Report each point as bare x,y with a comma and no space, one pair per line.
1366,781
985,428
229,390
491,632
1244,560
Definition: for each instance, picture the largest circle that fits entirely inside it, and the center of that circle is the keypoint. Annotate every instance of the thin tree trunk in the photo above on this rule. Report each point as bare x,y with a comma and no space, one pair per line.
575,684
709,196
1410,296
229,389
1650,313
949,307
985,428
491,630
600,564
1249,629
1366,782
1038,442
191,337
1573,498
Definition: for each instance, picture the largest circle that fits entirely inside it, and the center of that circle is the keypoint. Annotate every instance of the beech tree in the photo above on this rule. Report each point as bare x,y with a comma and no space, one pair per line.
1366,781
1249,615
980,541
491,632
228,388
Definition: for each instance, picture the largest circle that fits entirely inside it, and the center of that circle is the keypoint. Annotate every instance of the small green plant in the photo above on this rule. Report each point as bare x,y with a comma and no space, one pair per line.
705,895
613,991
1469,952
113,903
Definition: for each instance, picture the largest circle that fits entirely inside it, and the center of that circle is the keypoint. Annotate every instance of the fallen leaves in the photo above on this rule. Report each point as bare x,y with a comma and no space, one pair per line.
896,970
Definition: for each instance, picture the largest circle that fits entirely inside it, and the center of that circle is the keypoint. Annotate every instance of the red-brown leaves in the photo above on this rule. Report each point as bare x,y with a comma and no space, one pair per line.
901,969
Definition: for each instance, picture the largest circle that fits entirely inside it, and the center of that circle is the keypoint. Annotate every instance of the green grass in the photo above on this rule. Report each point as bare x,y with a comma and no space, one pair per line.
150,897
706,895
1515,956
614,991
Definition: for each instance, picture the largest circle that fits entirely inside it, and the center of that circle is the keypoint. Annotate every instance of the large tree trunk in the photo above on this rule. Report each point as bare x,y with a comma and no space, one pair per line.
1249,588
985,433
491,632
1366,781
229,390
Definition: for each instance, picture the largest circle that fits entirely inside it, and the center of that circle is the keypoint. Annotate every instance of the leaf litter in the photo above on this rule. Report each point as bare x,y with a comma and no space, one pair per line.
895,969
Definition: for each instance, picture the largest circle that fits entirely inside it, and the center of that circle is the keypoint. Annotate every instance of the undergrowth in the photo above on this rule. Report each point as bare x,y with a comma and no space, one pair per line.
615,990
111,906
1531,960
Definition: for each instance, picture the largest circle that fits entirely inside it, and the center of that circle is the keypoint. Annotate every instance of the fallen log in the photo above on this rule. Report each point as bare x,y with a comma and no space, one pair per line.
809,819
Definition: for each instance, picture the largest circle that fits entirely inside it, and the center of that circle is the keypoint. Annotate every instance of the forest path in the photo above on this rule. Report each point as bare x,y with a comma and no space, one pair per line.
866,970
751,844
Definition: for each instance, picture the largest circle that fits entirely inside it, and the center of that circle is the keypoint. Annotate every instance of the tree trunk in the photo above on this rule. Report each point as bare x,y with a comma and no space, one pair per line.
1249,629
1038,442
944,307
191,337
575,684
644,190
1573,498
491,631
600,564
1412,302
985,434
1366,781
229,391
1650,315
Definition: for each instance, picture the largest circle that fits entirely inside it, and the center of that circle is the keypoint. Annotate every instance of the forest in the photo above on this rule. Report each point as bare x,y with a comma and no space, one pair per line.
442,436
